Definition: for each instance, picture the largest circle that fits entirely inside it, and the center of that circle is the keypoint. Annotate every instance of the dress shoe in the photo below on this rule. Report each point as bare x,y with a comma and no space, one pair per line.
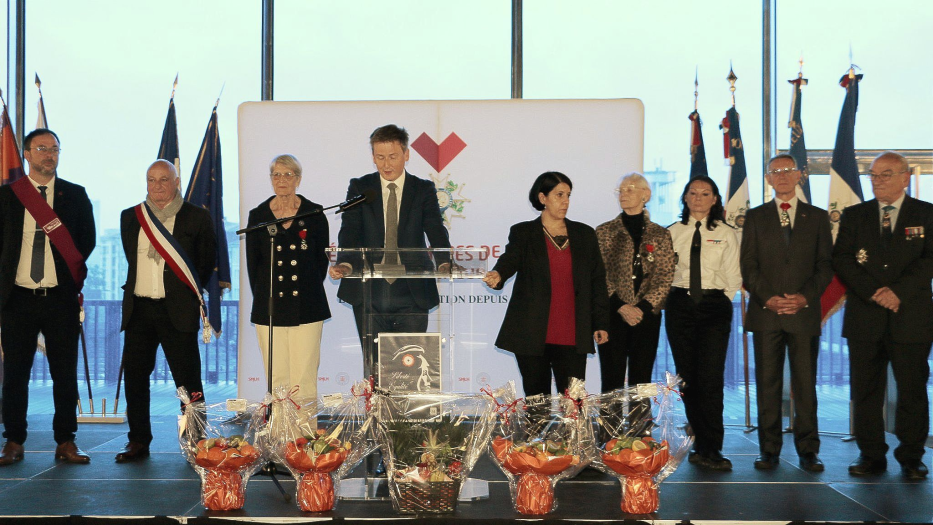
864,466
767,461
714,461
694,457
70,453
914,469
810,462
11,453
133,451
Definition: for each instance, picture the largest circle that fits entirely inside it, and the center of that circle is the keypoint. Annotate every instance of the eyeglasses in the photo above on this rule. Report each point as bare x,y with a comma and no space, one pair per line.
54,150
626,189
884,175
781,171
286,175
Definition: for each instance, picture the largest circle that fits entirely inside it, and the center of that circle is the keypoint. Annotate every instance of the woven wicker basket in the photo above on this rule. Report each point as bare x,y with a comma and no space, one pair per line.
436,497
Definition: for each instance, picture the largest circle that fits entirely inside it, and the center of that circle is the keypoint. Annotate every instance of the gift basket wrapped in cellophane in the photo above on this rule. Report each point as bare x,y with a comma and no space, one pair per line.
430,443
640,439
219,441
538,441
318,440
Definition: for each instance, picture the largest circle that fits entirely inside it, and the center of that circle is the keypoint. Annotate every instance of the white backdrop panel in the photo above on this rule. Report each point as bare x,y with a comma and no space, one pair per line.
508,144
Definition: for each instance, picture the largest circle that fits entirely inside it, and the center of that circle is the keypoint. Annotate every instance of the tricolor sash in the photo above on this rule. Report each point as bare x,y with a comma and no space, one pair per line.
53,227
175,257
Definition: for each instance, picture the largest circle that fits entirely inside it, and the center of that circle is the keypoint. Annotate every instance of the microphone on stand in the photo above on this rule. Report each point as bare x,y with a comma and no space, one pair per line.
367,196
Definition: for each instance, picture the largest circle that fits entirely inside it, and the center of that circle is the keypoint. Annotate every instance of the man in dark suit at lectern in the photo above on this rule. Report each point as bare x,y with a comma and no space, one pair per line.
399,212
786,262
884,256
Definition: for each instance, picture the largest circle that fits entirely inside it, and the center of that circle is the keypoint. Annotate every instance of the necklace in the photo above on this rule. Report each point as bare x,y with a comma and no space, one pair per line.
560,241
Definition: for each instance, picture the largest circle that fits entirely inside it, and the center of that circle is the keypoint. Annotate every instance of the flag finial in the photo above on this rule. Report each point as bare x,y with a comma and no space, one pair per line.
39,83
800,73
220,94
732,78
174,85
696,87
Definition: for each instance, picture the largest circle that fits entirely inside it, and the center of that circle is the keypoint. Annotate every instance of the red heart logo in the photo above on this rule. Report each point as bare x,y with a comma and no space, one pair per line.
438,156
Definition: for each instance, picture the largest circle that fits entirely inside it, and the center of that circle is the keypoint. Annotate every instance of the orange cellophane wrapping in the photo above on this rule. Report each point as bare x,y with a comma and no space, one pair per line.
229,460
316,487
534,493
316,492
223,490
640,492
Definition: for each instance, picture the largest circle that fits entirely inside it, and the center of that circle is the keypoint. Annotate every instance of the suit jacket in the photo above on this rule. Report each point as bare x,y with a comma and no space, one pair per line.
771,267
298,289
524,328
617,250
905,266
194,232
72,206
364,227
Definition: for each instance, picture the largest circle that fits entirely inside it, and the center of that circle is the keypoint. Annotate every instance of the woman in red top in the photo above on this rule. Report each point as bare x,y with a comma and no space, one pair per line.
559,302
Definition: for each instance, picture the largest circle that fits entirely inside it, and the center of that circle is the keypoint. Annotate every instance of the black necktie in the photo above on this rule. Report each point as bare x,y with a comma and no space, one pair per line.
785,222
37,270
887,232
696,284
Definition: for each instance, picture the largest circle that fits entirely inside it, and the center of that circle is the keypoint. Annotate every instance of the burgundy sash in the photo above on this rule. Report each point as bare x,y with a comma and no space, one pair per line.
53,227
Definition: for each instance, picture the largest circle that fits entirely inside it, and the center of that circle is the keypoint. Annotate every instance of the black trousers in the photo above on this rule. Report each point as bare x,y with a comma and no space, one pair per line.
394,310
23,317
148,328
868,362
802,350
699,338
563,361
631,349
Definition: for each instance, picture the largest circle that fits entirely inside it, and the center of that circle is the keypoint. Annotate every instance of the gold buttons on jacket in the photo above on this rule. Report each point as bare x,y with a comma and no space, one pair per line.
294,262
294,278
279,263
281,278
295,293
278,248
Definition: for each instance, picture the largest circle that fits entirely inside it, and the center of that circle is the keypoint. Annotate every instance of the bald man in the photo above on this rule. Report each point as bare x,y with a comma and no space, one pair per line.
884,256
159,306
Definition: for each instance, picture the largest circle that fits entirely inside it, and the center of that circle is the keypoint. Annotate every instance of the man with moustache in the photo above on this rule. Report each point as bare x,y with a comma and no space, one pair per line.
884,256
161,304
46,235
786,263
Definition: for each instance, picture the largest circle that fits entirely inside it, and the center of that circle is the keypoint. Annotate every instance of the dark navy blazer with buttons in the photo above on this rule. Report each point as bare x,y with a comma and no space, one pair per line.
299,263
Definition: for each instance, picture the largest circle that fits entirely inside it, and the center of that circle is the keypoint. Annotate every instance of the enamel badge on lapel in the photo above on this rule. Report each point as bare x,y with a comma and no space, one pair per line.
650,249
913,232
862,256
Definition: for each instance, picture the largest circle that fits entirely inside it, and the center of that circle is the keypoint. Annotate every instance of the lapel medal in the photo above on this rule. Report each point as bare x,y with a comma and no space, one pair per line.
862,256
650,249
913,232
304,243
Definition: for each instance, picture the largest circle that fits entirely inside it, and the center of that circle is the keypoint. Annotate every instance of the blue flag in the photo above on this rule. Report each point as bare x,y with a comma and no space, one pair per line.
798,148
168,148
205,189
697,150
845,189
737,201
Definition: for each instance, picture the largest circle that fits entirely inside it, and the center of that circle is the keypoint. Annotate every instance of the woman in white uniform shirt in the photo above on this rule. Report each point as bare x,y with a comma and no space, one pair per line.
699,313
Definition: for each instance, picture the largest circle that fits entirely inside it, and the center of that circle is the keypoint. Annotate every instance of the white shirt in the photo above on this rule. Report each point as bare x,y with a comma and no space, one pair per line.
893,213
24,268
792,211
149,273
719,256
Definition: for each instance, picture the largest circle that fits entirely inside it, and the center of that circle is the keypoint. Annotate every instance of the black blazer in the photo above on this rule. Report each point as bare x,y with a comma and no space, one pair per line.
298,289
524,328
770,267
364,227
194,232
72,206
906,267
